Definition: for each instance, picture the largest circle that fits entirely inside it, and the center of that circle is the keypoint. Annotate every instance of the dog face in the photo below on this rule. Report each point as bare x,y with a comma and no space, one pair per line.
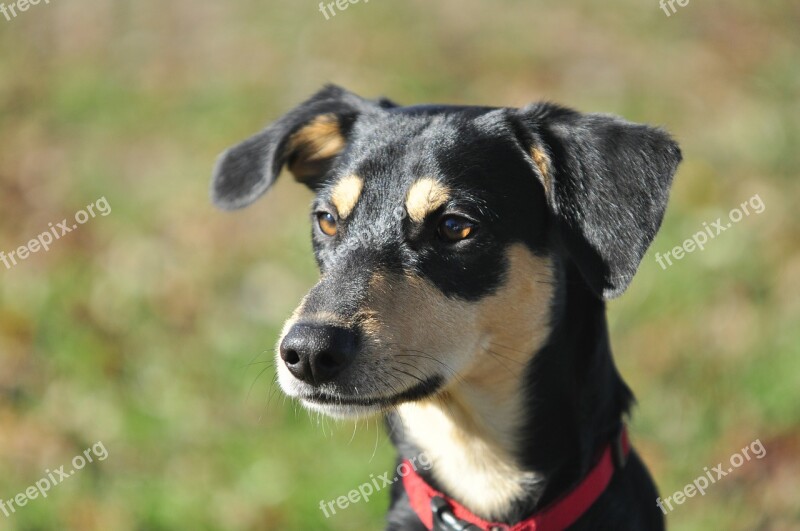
442,234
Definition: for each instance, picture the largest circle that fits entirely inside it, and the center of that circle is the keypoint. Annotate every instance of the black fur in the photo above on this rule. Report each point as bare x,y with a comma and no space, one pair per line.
593,206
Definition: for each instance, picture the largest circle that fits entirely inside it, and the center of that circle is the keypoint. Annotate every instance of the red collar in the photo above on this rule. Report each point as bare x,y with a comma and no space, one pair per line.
562,513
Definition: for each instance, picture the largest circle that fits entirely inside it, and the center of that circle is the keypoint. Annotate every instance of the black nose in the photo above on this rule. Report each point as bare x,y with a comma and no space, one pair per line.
317,353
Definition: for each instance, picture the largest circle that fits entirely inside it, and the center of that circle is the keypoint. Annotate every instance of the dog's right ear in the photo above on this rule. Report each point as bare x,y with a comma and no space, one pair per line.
307,139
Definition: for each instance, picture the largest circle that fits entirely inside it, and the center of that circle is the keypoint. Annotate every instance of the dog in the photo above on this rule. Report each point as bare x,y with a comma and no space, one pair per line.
466,254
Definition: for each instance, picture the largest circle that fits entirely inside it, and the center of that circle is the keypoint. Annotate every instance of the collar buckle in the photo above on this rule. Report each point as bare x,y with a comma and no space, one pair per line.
445,520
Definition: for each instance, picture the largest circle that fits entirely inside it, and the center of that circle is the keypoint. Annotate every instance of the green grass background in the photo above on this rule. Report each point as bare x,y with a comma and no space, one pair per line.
152,329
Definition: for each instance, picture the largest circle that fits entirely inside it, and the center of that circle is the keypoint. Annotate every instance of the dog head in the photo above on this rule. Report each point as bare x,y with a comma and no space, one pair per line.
442,233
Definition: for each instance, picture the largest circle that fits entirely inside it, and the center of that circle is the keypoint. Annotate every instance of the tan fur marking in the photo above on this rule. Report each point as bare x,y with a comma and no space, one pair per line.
425,196
346,194
543,163
318,141
469,430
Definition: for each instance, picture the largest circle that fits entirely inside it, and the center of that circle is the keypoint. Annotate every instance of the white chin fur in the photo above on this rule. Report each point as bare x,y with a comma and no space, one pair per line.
338,411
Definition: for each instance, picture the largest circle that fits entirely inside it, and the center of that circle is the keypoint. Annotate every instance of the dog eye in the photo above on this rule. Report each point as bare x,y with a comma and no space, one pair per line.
327,223
456,228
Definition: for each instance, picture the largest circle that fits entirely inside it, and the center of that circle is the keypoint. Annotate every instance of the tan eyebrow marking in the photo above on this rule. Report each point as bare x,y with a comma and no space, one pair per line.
346,194
425,196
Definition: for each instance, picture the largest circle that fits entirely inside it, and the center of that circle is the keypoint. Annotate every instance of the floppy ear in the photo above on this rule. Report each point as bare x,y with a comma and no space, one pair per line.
607,182
307,139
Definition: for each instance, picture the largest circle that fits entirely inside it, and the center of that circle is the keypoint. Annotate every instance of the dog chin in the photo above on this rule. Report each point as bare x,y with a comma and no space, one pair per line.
342,411
331,405
342,406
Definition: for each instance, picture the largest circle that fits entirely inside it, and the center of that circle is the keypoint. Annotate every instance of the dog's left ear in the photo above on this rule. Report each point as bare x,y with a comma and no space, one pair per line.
607,183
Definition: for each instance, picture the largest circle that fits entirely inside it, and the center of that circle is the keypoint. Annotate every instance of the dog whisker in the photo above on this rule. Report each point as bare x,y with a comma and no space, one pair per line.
492,343
424,355
414,367
506,358
250,390
420,380
253,361
499,360
272,388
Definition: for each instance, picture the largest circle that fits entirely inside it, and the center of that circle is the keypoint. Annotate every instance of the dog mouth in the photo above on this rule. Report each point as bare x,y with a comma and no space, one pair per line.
419,391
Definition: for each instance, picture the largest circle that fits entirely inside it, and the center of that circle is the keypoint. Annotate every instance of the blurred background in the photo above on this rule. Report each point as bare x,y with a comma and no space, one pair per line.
152,329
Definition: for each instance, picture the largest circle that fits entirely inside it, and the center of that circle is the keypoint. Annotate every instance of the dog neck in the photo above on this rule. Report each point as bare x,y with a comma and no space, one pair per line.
469,439
504,451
